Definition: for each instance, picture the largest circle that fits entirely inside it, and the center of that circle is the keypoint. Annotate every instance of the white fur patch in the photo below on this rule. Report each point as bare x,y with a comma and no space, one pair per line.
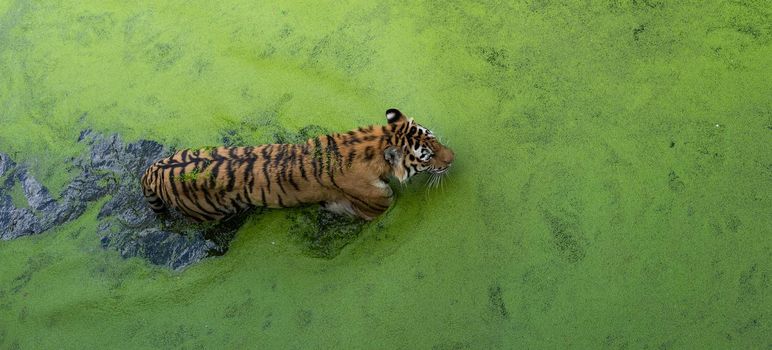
342,207
380,184
383,185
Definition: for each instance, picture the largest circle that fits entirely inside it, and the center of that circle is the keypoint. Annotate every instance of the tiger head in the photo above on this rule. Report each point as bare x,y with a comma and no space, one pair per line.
415,149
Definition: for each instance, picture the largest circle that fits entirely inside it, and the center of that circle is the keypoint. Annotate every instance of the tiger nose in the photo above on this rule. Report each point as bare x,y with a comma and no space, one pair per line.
449,157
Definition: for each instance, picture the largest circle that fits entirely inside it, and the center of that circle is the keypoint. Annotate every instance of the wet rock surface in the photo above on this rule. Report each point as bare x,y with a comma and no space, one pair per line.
126,224
42,212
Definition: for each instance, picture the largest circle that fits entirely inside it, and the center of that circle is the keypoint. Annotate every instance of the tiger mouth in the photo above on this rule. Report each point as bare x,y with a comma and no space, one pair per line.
440,171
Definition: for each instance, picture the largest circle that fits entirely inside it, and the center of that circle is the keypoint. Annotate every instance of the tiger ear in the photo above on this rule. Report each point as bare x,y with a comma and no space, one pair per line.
394,116
392,155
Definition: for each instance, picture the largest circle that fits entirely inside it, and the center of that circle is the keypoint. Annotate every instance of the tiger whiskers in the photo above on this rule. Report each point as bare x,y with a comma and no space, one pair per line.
434,180
444,140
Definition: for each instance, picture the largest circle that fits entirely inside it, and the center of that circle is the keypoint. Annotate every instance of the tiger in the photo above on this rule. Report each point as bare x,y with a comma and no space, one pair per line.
347,173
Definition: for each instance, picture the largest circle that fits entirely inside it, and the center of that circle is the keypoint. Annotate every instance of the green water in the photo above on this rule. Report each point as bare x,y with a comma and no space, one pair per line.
612,187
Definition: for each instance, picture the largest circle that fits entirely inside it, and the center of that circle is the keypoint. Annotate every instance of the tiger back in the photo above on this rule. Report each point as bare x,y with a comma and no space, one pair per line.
347,173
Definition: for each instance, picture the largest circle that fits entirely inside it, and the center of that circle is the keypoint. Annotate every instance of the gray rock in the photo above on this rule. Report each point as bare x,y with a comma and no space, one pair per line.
88,186
163,247
6,164
127,225
37,196
17,222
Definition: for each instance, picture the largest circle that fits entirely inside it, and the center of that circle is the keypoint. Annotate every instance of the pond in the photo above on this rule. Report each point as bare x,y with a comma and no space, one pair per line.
611,187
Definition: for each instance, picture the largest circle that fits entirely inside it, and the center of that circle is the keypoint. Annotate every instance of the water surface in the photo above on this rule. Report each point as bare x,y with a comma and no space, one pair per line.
611,189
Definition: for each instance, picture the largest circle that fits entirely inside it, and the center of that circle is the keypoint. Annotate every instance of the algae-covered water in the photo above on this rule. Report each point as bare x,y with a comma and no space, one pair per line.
612,186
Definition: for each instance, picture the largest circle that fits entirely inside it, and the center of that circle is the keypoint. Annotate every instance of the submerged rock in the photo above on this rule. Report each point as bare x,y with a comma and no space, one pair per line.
5,163
126,224
323,234
37,196
17,221
42,212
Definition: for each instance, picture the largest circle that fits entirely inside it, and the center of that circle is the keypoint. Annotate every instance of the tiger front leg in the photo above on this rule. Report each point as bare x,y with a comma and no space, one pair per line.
340,207
370,200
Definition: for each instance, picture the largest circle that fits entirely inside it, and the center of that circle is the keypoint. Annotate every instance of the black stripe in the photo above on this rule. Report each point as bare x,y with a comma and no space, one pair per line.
231,176
215,174
208,200
171,182
250,187
162,187
369,153
240,202
328,155
289,160
221,196
248,179
216,154
281,174
266,162
194,183
279,181
279,155
211,218
197,203
236,205
315,158
372,206
353,140
292,181
351,156
176,165
301,164
156,181
193,202
177,199
199,217
332,146
281,204
159,185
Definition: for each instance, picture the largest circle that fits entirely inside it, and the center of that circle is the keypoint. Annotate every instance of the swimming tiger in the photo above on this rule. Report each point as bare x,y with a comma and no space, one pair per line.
346,173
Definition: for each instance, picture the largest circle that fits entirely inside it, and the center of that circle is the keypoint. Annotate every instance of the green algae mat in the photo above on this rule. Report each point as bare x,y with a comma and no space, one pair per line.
612,186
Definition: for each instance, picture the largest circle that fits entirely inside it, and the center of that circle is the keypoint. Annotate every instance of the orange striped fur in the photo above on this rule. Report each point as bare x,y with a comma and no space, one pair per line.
347,173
